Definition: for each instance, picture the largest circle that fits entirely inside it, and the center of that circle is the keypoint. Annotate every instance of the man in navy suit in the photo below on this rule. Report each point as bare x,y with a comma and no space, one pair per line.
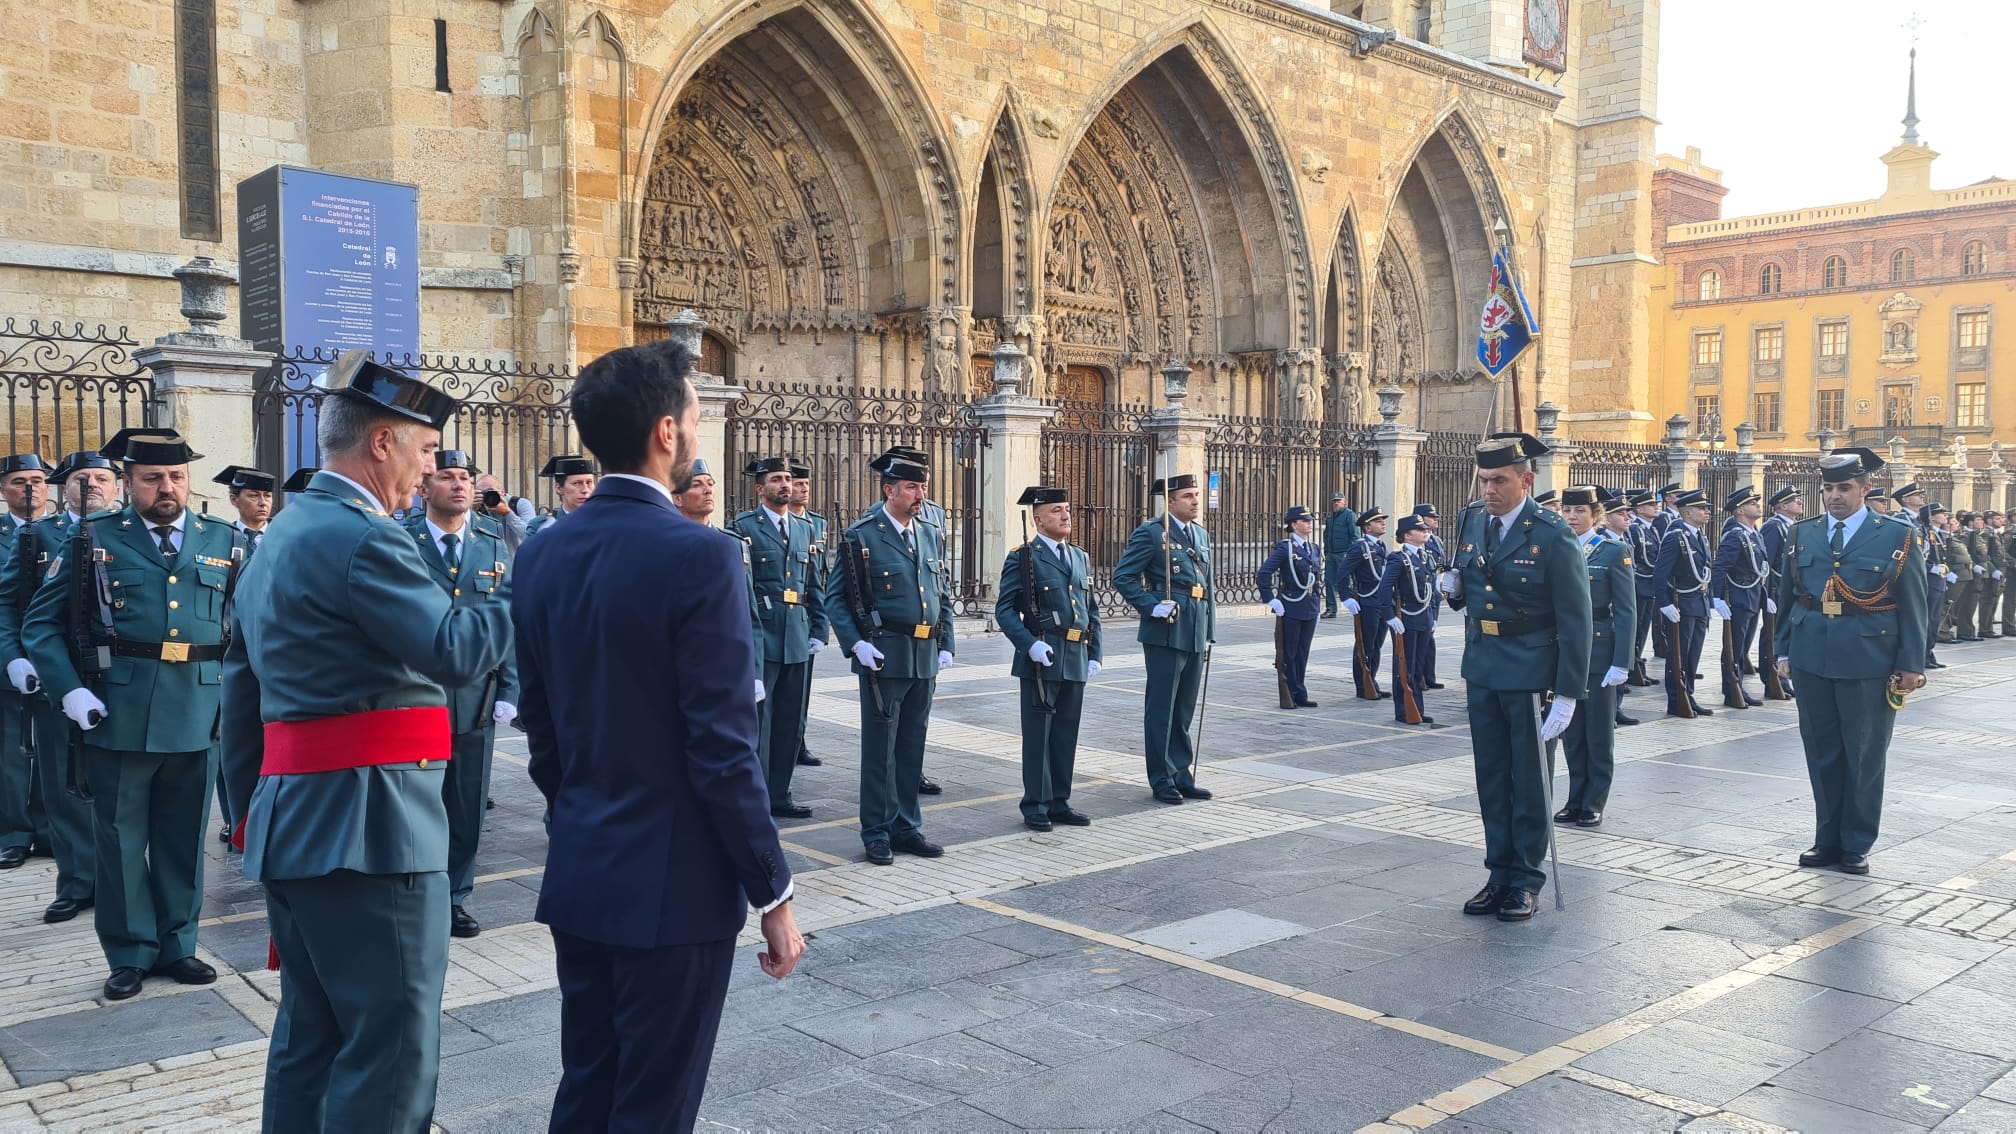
639,708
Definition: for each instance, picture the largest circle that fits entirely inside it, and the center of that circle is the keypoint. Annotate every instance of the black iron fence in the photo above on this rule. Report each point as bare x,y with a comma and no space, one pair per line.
1258,467
1937,484
1446,474
1799,471
1618,466
71,386
513,417
1102,455
837,430
1987,493
1717,479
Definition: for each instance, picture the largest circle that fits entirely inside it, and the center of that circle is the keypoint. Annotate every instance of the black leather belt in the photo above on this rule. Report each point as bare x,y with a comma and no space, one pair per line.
1599,613
920,631
166,651
1509,627
1837,609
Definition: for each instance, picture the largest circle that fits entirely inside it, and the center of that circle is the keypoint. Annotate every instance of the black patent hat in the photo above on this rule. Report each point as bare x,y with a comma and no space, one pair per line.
239,478
354,375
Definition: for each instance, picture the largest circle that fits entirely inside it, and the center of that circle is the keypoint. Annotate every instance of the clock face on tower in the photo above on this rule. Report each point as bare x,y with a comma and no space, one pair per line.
1547,33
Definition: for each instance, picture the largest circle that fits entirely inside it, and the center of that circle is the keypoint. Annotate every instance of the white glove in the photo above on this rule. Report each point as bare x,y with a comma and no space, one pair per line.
813,646
1771,605
1980,570
1351,604
1041,653
1451,583
1162,609
1092,669
1557,720
21,672
1721,609
1995,574
1397,626
504,712
84,707
1615,676
944,659
868,656
1951,577
1672,613
760,694
1275,608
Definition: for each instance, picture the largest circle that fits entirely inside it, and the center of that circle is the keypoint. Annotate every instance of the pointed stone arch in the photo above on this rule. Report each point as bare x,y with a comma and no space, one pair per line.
536,30
1002,252
1346,321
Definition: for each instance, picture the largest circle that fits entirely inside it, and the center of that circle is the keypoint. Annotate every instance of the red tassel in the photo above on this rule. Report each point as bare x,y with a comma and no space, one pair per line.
238,840
272,956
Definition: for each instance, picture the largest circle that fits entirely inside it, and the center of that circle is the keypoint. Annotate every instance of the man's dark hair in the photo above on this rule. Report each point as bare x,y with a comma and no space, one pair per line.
622,396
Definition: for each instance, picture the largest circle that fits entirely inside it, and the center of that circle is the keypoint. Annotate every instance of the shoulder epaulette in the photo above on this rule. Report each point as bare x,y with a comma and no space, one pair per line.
811,515
731,533
745,514
1551,518
488,525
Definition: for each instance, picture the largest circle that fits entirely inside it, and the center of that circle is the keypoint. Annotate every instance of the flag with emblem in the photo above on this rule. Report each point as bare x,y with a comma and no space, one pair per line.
1507,329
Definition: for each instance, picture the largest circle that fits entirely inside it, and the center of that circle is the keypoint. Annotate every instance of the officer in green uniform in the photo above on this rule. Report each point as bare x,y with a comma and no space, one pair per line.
466,556
791,624
160,579
890,602
24,482
1851,599
573,480
1590,741
1989,552
1960,595
90,484
250,492
1522,584
1165,573
1046,609
336,732
801,507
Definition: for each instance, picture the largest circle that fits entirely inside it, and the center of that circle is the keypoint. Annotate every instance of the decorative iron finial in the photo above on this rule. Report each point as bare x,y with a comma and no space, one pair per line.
1911,98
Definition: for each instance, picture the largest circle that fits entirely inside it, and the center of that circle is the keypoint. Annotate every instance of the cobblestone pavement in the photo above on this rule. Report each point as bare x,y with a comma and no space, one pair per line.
1289,956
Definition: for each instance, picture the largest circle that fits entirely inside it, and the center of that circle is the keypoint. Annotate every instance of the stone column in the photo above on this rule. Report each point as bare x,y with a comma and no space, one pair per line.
1553,472
1748,464
1397,475
1682,459
1901,473
1179,434
716,397
203,383
1011,462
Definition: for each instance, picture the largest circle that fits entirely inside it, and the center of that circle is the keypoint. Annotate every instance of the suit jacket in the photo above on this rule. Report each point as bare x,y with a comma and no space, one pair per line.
907,590
788,603
337,615
1885,555
485,577
1063,600
1289,562
1742,570
640,713
1613,608
1537,571
1141,579
1685,572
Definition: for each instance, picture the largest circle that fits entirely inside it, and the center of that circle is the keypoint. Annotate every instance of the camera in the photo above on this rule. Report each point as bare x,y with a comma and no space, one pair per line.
492,498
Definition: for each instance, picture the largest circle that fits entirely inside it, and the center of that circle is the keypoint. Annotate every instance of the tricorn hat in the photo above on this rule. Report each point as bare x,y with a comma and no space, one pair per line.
299,481
1038,494
241,478
1548,497
354,375
1501,449
564,465
1584,495
761,467
148,447
1847,464
1176,483
22,462
81,459
900,462
454,459
800,470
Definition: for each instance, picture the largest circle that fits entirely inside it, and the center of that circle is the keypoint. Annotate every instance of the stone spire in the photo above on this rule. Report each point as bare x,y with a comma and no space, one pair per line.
1911,104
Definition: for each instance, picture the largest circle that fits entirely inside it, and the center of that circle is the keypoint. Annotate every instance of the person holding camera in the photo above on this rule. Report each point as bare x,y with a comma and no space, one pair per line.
513,513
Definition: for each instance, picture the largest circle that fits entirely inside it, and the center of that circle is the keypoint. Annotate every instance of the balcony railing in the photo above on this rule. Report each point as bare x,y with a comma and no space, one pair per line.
1916,436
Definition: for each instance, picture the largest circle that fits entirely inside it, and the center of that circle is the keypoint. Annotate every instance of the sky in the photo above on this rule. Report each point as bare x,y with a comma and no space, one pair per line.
1794,100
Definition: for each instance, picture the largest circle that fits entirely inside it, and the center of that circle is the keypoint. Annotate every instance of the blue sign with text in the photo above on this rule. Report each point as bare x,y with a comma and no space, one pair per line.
329,262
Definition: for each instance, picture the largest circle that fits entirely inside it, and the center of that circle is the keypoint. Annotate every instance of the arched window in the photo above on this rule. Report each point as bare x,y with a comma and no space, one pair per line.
1903,265
1771,280
1974,259
1711,285
1834,273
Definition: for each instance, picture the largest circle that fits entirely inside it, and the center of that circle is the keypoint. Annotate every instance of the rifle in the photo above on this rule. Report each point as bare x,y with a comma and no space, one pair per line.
90,645
1168,562
27,564
1281,663
1732,667
1032,615
1774,688
855,585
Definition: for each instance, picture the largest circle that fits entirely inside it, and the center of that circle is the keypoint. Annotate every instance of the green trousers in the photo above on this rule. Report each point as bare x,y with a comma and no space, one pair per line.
151,808
1173,680
892,757
1049,745
69,822
1590,742
1511,787
464,788
1845,726
21,821
357,1041
783,725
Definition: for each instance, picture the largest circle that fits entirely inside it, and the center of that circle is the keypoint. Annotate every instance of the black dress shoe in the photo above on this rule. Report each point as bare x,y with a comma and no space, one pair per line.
1486,900
223,834
1854,864
123,983
790,809
1819,856
1305,704
188,970
460,924
879,854
1329,614
1426,719
1589,819
1518,905
1567,815
1168,795
1433,685
11,857
1065,817
1752,701
489,804
918,845
1703,711
928,786
1193,792
807,760
1626,721
63,909
1036,822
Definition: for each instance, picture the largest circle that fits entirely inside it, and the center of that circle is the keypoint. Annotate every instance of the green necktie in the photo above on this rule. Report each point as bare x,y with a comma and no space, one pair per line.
450,553
1490,534
1834,543
166,532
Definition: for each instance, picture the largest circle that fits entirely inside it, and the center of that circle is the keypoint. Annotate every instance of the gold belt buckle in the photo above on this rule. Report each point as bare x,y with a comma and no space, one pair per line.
1490,628
1196,592
175,651
1831,608
1074,635
921,632
791,598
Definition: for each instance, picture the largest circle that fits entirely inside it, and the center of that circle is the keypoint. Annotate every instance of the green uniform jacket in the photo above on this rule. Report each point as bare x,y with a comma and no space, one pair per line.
1063,602
50,535
337,614
1959,554
1884,553
485,577
749,585
822,562
908,591
1537,571
1140,579
150,705
789,610
1614,640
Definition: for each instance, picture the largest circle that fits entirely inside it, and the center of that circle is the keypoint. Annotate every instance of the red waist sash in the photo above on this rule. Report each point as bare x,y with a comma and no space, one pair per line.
359,740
